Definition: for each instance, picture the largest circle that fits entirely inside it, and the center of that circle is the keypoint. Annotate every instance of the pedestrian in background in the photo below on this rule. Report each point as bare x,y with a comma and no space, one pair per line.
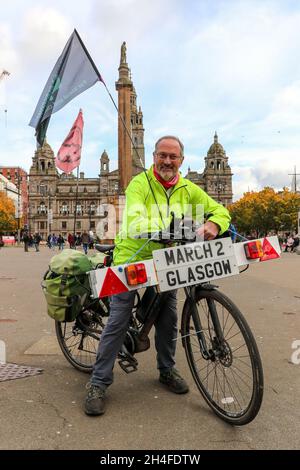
36,241
26,240
85,241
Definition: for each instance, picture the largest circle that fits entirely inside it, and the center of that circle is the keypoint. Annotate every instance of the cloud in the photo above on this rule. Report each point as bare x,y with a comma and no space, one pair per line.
43,30
197,67
8,53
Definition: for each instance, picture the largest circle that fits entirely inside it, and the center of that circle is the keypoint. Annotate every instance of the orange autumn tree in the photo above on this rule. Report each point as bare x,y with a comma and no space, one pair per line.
7,214
265,211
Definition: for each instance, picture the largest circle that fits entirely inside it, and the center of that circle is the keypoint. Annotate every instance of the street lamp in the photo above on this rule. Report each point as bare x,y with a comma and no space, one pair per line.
19,180
90,216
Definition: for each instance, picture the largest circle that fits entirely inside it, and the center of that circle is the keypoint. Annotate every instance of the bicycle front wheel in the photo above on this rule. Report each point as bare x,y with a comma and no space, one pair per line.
228,370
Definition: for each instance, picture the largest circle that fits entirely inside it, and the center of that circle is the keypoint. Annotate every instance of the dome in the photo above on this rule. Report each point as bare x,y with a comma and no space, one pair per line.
104,156
216,147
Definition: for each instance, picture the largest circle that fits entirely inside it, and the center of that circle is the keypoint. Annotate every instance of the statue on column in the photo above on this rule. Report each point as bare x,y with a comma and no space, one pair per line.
123,53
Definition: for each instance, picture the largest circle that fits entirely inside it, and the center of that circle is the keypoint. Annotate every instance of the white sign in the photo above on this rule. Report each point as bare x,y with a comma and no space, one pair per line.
194,263
110,281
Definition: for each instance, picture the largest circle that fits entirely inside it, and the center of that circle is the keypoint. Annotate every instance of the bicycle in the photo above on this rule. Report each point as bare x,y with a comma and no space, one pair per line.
220,348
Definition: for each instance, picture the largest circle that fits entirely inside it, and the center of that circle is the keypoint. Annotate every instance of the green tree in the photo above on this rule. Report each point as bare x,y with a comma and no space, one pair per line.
265,211
7,214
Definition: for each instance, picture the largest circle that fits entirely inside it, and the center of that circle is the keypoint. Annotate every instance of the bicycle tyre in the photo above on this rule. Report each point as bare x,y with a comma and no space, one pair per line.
78,340
227,405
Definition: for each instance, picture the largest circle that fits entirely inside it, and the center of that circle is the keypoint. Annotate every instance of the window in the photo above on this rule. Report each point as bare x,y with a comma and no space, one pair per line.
42,225
92,208
43,190
42,208
93,224
78,224
64,225
64,208
78,208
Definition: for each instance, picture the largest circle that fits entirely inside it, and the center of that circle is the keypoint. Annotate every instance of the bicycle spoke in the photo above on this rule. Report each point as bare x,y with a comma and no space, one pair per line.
226,377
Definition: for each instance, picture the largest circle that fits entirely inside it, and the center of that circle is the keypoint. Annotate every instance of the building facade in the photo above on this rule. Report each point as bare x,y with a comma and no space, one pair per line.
216,178
61,204
18,177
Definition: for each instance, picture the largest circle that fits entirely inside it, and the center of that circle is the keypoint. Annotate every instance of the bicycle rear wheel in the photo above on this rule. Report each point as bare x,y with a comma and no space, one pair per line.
231,378
79,339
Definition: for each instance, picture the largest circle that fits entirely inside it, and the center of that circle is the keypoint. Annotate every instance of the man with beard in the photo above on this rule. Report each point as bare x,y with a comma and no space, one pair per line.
150,201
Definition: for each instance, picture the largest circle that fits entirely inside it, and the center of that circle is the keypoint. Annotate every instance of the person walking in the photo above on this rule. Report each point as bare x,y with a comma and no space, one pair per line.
26,240
85,241
36,241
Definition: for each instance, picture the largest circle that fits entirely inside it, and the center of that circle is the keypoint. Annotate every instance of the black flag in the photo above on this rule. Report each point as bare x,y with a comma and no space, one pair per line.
73,73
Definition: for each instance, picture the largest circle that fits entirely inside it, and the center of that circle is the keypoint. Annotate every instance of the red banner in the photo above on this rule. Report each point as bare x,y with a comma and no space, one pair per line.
69,154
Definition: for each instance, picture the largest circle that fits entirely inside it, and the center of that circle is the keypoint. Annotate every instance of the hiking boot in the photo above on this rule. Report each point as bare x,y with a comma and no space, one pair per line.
95,400
174,381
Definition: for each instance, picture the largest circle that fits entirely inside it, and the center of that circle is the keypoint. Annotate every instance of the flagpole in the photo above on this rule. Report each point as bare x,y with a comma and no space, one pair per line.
135,149
76,200
48,99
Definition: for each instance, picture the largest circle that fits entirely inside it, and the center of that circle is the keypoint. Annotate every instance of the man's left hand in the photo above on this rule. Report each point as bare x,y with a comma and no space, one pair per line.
208,231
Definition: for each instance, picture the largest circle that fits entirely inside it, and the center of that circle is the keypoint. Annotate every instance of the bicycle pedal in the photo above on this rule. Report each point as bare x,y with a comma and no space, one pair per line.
128,365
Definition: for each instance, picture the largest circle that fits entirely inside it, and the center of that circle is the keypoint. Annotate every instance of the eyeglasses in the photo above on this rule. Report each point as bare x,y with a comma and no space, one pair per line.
164,156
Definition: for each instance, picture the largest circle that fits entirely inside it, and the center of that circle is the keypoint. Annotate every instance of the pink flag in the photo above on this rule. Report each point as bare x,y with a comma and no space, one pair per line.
69,154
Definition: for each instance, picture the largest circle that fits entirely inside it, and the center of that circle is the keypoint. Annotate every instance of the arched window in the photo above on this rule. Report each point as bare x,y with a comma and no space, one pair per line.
218,165
42,165
42,208
212,165
92,208
78,208
64,208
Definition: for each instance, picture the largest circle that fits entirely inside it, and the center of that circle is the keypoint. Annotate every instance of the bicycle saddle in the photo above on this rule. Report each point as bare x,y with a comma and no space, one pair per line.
104,248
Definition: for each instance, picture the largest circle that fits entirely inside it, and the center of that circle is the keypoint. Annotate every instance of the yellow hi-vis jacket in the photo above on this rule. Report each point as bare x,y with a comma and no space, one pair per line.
141,213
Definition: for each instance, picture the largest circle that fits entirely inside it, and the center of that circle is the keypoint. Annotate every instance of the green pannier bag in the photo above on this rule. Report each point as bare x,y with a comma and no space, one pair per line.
66,286
97,260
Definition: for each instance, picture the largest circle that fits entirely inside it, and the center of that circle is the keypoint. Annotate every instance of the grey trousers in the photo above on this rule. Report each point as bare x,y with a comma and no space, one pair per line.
114,334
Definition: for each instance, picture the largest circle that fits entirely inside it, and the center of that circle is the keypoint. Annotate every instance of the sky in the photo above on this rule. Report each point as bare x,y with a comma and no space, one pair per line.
198,66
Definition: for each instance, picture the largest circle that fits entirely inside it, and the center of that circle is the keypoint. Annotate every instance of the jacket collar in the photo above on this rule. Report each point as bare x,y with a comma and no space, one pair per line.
180,182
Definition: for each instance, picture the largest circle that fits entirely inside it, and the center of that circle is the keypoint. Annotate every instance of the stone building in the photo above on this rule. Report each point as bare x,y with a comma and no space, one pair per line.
18,177
216,178
52,195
